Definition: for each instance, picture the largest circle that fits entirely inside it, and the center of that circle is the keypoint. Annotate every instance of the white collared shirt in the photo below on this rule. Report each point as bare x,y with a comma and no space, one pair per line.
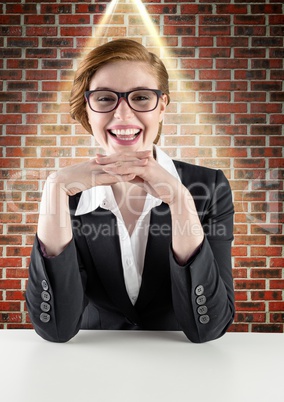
132,247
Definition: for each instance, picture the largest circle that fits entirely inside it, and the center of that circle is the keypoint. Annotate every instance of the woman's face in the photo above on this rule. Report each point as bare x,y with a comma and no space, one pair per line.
124,129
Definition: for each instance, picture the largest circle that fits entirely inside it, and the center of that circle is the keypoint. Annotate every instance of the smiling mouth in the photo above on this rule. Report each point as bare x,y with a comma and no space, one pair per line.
125,135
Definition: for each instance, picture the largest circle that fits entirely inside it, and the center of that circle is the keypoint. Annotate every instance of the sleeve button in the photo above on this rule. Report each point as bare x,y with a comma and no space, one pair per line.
45,296
44,285
200,300
204,319
45,307
202,310
199,290
44,317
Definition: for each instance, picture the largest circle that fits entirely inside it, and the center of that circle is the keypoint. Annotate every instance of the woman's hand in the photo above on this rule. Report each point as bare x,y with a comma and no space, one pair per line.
82,176
143,171
187,232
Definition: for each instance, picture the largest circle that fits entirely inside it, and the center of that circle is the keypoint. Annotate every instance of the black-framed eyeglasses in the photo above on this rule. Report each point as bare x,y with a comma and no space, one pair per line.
139,100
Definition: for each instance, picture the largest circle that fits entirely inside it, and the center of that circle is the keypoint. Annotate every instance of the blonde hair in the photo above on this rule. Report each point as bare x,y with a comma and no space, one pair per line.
117,50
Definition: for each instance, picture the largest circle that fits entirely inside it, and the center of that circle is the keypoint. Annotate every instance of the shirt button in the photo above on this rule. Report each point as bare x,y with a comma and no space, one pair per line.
129,261
201,300
199,290
204,319
45,296
45,307
44,317
105,204
44,285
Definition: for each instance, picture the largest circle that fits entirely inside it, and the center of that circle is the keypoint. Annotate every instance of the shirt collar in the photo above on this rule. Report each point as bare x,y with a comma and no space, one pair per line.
102,196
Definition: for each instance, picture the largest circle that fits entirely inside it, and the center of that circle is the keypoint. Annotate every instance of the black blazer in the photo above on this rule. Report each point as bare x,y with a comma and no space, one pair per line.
84,288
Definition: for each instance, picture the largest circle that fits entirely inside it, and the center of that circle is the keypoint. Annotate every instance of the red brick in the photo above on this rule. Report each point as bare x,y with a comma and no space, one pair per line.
238,328
250,262
241,296
249,19
18,251
15,295
214,52
267,251
267,328
239,251
41,31
249,284
276,284
10,284
179,30
276,20
277,262
250,30
39,19
197,42
9,306
250,306
266,295
255,239
250,317
276,306
214,30
162,9
266,8
214,96
277,317
266,273
10,317
249,96
56,9
214,75
179,20
231,108
231,64
196,9
249,53
17,273
78,19
21,8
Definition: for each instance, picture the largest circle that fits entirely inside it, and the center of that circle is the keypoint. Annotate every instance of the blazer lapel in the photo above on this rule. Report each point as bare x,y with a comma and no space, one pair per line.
156,264
104,246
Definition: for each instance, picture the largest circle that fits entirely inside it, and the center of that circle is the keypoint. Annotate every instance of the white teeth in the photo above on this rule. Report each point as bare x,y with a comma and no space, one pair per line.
128,131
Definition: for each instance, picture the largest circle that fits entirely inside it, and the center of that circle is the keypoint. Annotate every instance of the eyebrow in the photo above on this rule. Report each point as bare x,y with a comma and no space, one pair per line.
110,89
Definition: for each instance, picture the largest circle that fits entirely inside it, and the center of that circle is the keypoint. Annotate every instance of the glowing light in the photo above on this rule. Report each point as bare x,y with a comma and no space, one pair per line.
106,27
148,22
106,18
114,24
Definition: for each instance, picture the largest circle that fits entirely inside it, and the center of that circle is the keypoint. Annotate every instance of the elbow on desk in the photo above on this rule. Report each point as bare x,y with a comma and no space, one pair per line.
204,334
54,336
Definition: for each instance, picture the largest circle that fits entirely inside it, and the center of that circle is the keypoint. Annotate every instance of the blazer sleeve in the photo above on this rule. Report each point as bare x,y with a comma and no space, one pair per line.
55,293
202,290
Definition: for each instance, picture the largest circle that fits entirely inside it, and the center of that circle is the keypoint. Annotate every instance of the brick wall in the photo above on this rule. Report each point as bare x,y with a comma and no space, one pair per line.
226,63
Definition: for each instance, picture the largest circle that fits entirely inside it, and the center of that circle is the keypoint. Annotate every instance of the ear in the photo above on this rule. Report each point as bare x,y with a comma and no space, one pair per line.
163,105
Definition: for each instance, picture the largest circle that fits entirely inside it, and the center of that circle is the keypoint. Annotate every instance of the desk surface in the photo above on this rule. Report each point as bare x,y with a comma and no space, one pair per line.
122,366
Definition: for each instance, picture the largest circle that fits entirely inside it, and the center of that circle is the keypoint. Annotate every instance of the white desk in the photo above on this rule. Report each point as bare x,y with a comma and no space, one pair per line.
124,366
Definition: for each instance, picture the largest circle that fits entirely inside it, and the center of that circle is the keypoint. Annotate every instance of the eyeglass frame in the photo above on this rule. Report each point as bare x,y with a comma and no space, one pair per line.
124,95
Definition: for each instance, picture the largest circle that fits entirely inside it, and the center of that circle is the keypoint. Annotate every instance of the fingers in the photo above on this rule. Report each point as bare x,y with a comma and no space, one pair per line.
104,179
135,168
122,157
123,164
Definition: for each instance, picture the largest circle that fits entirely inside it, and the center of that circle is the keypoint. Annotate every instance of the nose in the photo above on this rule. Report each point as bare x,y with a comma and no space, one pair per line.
123,110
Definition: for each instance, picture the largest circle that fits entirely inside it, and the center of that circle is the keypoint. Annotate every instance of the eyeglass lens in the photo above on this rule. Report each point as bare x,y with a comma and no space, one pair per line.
141,100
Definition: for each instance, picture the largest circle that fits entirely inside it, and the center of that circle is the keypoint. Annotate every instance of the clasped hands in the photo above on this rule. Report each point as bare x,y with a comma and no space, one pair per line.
139,168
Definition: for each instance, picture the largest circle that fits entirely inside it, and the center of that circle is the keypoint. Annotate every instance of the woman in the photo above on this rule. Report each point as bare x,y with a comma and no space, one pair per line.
130,239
